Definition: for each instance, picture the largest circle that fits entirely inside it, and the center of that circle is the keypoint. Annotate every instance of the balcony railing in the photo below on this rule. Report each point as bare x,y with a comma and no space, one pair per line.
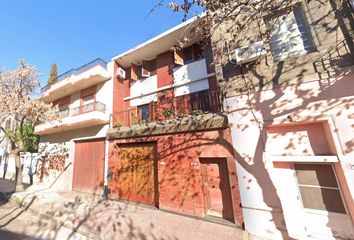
96,106
76,71
188,105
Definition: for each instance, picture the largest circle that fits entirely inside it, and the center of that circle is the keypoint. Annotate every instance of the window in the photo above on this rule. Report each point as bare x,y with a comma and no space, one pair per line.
88,99
192,53
63,106
63,110
319,188
144,112
290,35
188,55
88,103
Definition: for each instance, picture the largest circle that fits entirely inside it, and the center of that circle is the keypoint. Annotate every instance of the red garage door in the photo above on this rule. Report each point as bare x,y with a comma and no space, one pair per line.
89,166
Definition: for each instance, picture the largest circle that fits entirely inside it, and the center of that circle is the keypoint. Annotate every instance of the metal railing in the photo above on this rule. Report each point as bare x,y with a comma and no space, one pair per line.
178,107
337,55
96,106
75,71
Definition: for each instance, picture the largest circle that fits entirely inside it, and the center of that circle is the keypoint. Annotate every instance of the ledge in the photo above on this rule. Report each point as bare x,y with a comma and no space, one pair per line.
88,119
204,122
318,158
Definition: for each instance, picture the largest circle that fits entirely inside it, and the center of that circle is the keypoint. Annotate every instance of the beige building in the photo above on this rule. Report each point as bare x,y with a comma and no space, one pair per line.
84,98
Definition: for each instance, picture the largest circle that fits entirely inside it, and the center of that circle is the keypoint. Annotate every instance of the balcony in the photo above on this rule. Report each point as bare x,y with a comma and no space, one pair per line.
196,111
74,118
74,80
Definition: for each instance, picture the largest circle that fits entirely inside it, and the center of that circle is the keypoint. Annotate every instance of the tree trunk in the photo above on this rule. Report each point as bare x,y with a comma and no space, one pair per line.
18,181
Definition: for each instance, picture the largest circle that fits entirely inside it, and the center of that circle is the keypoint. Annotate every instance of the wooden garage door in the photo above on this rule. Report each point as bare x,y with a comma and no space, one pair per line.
89,166
134,174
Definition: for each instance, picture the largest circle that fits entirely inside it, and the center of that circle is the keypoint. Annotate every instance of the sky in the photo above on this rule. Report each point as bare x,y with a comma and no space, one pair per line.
72,33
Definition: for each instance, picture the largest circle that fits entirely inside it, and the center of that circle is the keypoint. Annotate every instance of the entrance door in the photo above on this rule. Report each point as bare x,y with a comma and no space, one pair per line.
134,176
89,166
217,195
325,214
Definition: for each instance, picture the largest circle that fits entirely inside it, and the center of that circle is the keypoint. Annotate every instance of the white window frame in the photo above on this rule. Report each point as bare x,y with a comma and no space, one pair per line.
291,54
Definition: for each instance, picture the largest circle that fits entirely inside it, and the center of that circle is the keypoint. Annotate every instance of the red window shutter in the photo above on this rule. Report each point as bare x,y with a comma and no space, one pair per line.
89,91
62,101
134,72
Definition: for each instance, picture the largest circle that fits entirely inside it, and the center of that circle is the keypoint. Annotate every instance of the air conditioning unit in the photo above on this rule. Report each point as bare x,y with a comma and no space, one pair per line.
121,73
250,52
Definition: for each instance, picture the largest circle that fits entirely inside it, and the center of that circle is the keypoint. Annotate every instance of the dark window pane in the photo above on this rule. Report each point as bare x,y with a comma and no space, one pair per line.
322,199
188,54
145,112
316,175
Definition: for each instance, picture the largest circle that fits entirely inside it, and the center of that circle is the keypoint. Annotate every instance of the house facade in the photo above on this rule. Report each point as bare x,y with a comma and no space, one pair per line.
72,148
262,139
148,127
170,143
290,103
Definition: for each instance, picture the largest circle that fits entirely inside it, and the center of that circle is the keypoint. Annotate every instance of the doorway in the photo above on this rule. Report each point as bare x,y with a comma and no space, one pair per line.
216,188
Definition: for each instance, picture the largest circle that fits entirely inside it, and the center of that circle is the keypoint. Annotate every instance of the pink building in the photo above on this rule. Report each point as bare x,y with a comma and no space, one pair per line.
292,121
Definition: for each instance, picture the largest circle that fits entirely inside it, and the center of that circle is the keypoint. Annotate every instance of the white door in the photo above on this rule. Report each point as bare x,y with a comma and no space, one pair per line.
324,211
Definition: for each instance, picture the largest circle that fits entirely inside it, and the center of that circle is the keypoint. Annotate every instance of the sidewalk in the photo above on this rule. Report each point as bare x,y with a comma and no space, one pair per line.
21,224
90,217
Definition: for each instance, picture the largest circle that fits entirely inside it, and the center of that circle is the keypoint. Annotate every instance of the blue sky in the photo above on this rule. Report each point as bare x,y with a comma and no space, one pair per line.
72,33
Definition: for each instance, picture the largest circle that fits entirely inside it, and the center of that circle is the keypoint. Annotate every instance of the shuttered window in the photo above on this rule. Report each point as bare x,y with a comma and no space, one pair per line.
290,35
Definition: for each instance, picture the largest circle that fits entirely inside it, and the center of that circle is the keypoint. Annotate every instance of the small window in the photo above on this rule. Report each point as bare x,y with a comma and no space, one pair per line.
144,110
290,35
319,188
188,55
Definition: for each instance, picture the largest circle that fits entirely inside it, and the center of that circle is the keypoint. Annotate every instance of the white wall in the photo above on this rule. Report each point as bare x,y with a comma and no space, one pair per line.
192,76
105,95
148,87
75,100
268,190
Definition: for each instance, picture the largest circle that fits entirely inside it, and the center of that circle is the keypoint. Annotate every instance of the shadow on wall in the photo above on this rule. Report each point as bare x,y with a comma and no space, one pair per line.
258,109
178,171
332,97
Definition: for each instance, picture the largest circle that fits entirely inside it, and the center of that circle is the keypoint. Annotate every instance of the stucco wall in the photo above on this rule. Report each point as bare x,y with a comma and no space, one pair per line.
179,168
327,34
62,180
310,119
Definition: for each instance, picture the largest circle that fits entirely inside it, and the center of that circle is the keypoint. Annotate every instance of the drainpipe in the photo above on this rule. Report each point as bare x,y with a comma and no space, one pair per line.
105,188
